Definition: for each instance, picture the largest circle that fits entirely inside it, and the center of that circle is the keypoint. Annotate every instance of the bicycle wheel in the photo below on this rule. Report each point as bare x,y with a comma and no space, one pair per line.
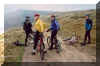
42,51
59,48
49,41
30,40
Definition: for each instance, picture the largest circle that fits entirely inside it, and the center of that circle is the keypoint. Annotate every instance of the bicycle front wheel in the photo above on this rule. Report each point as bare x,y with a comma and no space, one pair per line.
59,47
42,51
49,41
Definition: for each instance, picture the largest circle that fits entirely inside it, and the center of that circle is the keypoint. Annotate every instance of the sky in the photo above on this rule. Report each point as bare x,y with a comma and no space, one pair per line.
50,7
51,1
3,2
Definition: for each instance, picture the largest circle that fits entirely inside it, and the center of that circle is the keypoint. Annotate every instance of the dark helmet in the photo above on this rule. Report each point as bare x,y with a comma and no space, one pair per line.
87,15
53,16
27,17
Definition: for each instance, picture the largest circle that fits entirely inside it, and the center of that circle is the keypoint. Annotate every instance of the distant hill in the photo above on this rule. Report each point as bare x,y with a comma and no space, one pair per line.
16,18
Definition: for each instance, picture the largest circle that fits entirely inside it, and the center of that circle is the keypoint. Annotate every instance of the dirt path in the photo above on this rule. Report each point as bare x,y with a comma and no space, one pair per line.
68,54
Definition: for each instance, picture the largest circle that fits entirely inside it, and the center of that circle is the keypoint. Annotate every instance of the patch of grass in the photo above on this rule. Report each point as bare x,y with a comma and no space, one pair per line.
14,53
75,23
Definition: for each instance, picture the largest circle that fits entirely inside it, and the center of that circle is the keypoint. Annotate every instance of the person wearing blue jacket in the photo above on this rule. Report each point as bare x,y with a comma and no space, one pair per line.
88,27
54,29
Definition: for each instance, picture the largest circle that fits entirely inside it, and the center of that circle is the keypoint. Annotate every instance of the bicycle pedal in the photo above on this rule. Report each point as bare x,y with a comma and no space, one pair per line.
45,51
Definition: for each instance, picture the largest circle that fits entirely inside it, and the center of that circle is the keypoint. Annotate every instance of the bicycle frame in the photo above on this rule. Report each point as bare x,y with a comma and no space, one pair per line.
39,45
41,48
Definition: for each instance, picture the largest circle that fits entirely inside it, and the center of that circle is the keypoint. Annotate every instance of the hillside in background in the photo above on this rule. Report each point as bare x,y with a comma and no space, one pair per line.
74,22
70,22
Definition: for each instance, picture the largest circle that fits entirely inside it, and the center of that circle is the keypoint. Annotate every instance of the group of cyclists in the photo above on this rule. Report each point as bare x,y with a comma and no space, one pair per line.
40,27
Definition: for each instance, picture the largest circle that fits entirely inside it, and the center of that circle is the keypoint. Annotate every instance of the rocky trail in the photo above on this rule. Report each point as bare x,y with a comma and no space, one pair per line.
68,54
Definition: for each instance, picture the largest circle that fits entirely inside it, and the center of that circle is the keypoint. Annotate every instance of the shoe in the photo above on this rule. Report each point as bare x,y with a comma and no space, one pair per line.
89,43
45,51
50,48
25,45
55,47
83,44
34,52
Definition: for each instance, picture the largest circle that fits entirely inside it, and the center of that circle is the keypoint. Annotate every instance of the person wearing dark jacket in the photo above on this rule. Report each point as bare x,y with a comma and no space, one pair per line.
88,28
27,28
54,29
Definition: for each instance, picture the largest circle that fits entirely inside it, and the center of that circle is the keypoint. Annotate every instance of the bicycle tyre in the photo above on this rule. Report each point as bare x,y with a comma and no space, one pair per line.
59,48
49,41
42,52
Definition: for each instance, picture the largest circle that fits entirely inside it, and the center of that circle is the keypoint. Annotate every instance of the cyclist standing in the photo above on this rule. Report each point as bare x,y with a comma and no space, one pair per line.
88,28
27,28
39,29
54,29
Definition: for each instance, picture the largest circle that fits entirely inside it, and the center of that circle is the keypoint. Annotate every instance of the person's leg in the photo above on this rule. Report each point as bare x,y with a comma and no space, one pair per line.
55,38
36,37
89,37
85,38
26,39
86,34
52,38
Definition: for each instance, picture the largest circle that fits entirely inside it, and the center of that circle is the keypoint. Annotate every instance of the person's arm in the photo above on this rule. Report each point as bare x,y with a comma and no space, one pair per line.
51,28
57,26
90,25
24,26
31,27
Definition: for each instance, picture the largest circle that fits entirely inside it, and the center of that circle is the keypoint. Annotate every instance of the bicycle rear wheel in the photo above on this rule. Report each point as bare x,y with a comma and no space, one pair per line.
49,41
59,48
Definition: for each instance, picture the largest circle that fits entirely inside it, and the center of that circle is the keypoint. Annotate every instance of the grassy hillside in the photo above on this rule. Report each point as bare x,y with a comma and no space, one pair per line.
70,22
14,53
74,22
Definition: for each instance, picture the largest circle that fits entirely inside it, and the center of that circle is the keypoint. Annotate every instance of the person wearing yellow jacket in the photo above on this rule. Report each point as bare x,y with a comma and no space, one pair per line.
39,27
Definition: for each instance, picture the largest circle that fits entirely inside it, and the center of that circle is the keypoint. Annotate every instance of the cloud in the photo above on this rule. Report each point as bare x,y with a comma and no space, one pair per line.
46,7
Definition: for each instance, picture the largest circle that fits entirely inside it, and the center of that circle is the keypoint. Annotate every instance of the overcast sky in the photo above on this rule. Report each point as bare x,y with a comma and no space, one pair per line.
46,7
51,1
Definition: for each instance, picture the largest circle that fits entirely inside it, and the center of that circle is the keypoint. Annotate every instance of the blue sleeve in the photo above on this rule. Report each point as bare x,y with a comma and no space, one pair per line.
90,25
57,25
51,27
86,26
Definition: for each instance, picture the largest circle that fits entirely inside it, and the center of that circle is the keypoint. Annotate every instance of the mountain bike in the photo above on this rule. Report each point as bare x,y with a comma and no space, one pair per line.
40,48
30,40
40,45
